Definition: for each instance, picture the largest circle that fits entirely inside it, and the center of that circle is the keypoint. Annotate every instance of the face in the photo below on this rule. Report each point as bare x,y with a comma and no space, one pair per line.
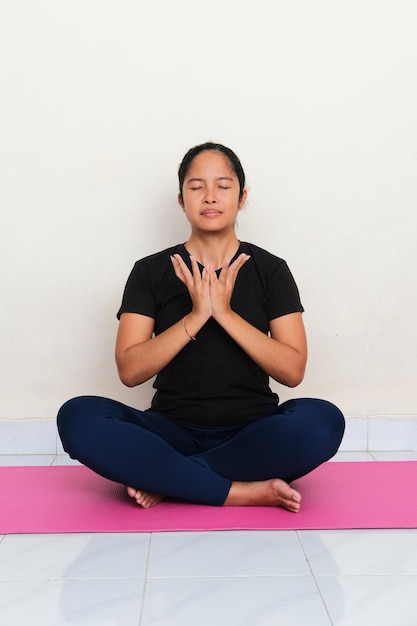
210,194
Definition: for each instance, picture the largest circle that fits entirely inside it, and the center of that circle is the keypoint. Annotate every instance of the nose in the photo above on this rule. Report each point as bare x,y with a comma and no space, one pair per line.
209,197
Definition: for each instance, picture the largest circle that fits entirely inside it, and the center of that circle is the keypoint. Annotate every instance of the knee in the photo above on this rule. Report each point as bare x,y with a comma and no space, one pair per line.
327,423
70,410
72,419
332,423
336,418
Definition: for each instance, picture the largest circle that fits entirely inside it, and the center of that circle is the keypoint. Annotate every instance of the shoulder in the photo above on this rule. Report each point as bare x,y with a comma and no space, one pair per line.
274,274
262,256
160,258
156,264
270,268
153,268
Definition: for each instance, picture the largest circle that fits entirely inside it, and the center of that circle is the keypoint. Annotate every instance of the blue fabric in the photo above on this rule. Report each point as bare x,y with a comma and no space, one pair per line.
155,454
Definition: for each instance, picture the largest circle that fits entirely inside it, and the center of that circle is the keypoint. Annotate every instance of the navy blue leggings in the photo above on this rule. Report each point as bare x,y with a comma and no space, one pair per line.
152,453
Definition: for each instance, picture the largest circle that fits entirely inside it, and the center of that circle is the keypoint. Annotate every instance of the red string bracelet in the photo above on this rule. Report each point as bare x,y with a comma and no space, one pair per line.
185,328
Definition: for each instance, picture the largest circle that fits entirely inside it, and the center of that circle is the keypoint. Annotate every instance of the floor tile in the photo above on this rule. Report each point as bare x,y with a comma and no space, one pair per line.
259,601
81,602
47,557
230,553
369,600
361,552
355,455
394,455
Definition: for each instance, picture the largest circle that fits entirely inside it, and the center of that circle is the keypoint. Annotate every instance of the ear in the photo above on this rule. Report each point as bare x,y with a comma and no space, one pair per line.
243,199
180,201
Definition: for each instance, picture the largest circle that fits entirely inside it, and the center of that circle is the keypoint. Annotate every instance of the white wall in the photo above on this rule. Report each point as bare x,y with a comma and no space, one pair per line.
99,101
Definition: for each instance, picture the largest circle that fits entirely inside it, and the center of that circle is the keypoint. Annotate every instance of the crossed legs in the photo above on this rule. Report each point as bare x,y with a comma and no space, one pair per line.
157,458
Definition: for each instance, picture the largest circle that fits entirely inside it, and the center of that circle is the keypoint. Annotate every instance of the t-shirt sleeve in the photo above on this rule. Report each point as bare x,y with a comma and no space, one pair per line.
284,297
138,296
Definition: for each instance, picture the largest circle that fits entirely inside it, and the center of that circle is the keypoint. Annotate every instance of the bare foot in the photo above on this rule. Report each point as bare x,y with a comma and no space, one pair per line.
274,492
144,499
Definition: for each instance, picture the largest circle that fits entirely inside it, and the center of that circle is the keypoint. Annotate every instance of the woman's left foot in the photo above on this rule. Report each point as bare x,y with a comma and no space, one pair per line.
144,499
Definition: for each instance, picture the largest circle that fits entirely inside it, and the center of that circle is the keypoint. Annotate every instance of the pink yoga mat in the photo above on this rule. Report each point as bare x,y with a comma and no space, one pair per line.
336,495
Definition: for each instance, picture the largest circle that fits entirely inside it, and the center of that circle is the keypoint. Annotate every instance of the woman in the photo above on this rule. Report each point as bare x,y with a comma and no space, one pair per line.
212,319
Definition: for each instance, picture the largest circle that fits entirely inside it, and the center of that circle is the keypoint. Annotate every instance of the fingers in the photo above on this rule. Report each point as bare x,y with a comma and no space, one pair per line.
177,269
182,272
197,283
228,273
230,270
210,294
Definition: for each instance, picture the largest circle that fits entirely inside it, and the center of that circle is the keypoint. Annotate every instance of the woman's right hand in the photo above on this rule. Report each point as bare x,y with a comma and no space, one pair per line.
198,285
140,354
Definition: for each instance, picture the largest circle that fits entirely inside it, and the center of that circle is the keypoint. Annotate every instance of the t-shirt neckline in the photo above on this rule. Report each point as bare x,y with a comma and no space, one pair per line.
234,257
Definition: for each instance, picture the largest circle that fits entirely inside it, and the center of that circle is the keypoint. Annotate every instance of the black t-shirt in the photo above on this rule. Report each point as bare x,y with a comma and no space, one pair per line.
212,382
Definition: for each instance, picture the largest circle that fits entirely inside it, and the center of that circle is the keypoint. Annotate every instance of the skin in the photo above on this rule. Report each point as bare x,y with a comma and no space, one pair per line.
211,202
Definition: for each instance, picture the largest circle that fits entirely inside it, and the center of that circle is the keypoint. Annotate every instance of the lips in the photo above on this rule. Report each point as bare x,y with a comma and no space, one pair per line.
211,212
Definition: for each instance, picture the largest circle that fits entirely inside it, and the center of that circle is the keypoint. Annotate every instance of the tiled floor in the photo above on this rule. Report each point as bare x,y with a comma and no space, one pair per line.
282,578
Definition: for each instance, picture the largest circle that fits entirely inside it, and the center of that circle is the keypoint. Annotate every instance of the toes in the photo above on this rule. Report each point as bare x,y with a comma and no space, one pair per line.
290,505
288,498
141,498
131,492
145,500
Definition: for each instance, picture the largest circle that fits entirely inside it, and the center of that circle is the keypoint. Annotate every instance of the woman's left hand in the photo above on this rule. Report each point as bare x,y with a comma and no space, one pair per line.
221,288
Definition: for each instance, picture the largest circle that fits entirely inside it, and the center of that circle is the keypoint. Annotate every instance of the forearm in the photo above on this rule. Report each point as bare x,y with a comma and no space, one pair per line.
141,361
284,363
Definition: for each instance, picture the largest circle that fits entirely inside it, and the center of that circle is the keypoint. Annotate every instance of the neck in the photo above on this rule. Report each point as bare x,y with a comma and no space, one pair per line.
212,250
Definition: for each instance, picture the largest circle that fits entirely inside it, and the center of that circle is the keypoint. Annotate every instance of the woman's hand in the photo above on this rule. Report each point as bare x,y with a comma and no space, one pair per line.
221,288
198,285
210,295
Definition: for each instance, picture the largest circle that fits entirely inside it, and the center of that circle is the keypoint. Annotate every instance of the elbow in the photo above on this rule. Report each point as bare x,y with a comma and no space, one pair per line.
294,381
126,376
131,378
291,380
128,383
126,372
295,377
126,379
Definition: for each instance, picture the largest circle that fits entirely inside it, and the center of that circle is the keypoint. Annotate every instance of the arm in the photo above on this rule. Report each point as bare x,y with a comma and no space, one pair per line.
140,355
283,355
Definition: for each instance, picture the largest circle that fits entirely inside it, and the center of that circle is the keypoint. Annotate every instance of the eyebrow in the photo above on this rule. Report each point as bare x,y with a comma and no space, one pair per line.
200,180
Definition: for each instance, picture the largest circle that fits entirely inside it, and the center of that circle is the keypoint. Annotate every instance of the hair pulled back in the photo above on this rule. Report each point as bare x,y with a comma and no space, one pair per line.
233,159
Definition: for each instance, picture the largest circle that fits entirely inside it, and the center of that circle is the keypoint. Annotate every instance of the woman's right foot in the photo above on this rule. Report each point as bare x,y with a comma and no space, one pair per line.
273,492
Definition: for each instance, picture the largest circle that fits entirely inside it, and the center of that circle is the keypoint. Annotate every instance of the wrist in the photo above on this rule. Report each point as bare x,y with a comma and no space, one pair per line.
190,336
192,323
224,317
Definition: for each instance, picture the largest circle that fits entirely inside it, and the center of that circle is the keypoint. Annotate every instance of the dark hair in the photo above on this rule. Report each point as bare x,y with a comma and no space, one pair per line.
233,159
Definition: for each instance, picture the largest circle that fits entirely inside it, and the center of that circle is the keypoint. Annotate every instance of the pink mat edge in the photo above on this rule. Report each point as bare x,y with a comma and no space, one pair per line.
283,520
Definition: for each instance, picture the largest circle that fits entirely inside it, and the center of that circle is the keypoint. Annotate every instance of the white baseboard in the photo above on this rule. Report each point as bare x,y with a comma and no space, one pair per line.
362,433
380,433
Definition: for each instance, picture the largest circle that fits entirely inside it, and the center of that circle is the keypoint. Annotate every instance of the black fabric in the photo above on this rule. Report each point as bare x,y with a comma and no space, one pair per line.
212,382
153,453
